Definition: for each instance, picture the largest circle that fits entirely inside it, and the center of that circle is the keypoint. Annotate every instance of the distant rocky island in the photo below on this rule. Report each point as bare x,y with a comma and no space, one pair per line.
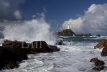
69,32
66,32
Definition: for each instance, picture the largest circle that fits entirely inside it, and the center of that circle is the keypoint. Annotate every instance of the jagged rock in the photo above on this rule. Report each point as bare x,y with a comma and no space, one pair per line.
16,48
66,32
7,58
54,48
100,44
42,47
99,64
21,49
104,52
13,51
12,64
60,43
99,68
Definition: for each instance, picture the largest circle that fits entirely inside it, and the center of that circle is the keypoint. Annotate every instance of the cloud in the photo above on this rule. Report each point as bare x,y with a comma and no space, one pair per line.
9,12
17,14
9,9
93,21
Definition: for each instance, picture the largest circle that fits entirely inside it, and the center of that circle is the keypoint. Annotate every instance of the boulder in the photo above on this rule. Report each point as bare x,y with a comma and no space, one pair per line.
7,58
17,48
54,48
13,51
100,44
60,43
99,68
104,52
43,47
12,64
99,64
21,49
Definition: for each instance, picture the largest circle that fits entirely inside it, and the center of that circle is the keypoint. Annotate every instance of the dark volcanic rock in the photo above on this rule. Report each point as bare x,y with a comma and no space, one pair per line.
7,58
98,63
66,32
12,64
104,52
60,43
13,51
100,44
16,48
42,47
21,49
54,48
99,68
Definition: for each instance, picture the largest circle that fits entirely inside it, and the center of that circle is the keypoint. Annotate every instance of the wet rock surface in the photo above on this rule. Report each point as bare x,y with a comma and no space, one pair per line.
99,64
13,51
102,44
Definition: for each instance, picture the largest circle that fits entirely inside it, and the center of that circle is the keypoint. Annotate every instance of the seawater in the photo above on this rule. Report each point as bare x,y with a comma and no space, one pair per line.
74,56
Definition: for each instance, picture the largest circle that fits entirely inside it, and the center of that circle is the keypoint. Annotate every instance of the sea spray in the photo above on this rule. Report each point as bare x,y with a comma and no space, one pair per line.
32,30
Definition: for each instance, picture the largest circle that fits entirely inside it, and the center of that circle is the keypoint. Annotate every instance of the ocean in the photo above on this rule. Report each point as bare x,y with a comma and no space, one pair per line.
74,56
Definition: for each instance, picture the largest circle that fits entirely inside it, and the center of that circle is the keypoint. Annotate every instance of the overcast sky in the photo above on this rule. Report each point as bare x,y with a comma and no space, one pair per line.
84,16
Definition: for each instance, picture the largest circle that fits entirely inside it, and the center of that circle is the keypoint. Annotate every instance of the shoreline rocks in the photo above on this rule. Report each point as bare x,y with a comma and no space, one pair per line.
102,44
99,64
13,51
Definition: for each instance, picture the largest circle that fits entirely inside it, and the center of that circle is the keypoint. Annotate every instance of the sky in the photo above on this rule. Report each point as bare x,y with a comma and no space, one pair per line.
84,16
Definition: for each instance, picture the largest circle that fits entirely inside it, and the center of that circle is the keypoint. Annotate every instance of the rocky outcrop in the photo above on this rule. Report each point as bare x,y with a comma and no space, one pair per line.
99,64
102,44
104,52
66,32
13,51
60,43
69,32
7,59
83,35
16,47
42,47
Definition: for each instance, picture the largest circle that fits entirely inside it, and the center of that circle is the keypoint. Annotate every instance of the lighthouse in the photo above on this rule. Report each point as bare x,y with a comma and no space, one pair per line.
68,26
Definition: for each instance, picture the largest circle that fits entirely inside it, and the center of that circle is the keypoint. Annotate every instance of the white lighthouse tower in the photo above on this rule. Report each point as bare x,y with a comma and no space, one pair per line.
68,26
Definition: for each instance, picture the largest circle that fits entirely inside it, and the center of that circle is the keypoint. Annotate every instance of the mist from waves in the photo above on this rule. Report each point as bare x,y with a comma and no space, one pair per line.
32,30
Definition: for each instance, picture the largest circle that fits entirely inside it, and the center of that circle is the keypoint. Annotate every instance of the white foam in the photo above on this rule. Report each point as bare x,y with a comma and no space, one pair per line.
33,30
73,57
